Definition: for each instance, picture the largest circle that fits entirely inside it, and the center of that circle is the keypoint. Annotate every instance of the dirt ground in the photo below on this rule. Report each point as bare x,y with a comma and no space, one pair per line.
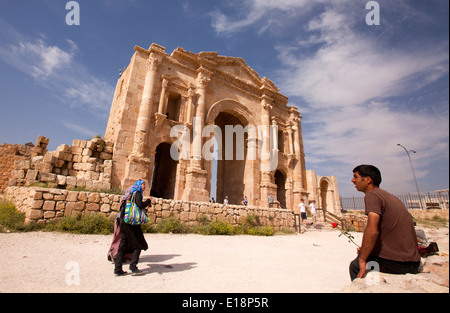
314,262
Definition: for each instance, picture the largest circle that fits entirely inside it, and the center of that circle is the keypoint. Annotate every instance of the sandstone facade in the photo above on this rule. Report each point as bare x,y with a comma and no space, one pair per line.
163,100
158,92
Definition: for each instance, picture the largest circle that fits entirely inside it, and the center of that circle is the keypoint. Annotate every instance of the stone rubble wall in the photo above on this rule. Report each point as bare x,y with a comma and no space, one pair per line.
44,204
85,164
9,154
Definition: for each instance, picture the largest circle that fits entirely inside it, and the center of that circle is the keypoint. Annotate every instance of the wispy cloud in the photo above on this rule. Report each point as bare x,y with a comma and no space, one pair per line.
44,59
79,129
262,14
55,68
354,83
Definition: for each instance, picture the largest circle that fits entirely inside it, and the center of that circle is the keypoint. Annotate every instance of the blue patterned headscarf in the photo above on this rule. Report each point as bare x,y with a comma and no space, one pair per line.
137,186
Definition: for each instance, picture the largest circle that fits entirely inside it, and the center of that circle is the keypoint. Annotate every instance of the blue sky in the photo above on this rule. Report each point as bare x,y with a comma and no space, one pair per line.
361,89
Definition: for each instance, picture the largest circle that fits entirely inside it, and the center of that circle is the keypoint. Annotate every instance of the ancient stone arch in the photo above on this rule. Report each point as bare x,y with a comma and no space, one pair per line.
189,92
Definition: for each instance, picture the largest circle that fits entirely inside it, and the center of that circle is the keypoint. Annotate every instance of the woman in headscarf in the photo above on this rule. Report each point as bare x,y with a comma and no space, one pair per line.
112,252
132,238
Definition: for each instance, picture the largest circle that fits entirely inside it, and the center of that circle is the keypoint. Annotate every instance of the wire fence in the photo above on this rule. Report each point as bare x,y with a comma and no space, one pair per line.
429,200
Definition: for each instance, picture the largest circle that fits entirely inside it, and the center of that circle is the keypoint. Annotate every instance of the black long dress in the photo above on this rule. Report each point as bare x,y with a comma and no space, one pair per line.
132,235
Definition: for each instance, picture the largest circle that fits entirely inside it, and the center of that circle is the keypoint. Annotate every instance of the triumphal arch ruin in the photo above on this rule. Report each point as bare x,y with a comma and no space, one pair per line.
170,112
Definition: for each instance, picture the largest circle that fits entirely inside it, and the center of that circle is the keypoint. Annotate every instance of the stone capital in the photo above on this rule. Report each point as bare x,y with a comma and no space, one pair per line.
152,62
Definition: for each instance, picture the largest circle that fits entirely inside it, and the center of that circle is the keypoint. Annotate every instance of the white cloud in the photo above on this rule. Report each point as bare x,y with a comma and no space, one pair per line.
353,69
265,14
94,93
56,69
346,86
44,60
349,83
78,129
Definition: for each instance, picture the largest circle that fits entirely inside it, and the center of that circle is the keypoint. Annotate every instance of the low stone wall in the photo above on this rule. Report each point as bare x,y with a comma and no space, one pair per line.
359,220
43,204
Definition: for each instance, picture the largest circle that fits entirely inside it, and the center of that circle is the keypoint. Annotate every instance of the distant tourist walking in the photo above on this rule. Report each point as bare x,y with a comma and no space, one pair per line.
303,216
312,207
132,237
389,239
270,200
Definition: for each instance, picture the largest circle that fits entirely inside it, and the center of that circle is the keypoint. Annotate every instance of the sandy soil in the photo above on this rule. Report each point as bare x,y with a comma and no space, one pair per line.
316,261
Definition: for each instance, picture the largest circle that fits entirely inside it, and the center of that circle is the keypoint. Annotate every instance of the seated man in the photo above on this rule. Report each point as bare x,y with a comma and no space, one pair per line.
389,238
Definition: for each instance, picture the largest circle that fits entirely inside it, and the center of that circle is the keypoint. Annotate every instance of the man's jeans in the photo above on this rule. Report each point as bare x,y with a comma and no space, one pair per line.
385,266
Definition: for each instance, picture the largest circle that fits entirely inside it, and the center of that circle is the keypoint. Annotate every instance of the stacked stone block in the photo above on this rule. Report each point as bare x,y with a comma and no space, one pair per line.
9,154
44,204
86,164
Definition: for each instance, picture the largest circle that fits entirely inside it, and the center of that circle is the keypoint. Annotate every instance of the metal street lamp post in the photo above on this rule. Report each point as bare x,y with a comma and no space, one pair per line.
414,175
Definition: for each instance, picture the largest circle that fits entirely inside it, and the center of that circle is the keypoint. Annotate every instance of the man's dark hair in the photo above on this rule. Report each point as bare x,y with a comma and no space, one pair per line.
369,171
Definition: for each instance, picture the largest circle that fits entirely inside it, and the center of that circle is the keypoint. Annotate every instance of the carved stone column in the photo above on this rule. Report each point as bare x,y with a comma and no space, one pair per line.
163,98
196,176
291,143
298,190
190,104
143,122
266,185
138,165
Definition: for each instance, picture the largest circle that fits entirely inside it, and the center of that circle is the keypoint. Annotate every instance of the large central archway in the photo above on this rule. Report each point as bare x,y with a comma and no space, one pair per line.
230,170
233,177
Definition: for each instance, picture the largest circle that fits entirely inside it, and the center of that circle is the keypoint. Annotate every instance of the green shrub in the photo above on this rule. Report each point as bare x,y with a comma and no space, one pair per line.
260,231
171,225
220,228
10,218
252,220
13,220
86,224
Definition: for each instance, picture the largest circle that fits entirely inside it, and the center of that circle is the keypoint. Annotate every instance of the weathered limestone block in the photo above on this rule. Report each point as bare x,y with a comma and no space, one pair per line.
49,206
37,204
31,176
115,207
105,208
47,177
61,180
60,205
82,196
105,156
92,207
72,196
18,174
47,196
94,198
36,214
49,214
71,182
22,165
184,216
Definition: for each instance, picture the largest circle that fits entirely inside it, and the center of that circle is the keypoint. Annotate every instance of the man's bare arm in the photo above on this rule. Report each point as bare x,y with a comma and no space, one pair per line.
368,243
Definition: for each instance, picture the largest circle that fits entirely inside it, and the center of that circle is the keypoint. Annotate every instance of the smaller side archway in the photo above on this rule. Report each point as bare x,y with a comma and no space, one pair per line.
280,181
164,173
325,196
